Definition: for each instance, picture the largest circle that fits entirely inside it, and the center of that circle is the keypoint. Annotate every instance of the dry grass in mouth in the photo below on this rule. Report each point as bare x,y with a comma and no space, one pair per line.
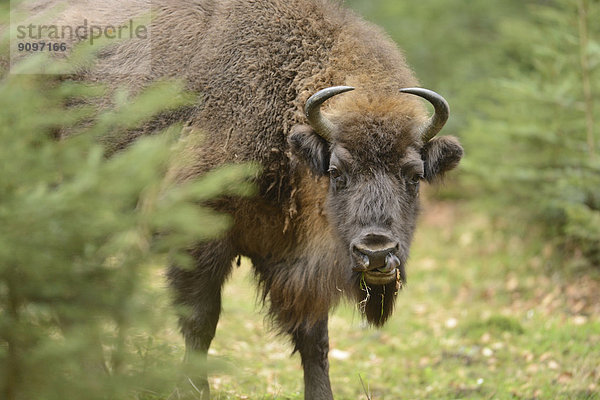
362,305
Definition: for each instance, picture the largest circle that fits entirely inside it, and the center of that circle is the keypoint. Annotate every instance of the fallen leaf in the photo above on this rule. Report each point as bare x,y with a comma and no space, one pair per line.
553,365
532,368
512,284
565,377
339,354
451,323
420,309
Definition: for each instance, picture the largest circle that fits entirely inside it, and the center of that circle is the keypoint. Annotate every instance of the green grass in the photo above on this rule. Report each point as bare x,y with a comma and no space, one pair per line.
485,315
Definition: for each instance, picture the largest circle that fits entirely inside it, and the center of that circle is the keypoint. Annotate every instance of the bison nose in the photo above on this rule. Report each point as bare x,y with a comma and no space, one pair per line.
372,252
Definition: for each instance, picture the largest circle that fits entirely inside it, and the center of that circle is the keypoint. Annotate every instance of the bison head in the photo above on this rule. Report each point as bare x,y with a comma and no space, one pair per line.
376,152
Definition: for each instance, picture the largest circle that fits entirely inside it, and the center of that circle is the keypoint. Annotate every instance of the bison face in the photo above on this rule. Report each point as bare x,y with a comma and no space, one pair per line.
375,161
374,212
372,205
372,201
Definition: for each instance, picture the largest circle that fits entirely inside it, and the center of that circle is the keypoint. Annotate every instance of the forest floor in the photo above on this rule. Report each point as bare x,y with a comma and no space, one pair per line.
486,314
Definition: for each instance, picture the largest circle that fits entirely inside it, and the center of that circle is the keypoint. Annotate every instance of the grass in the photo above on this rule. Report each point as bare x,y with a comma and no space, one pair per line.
485,315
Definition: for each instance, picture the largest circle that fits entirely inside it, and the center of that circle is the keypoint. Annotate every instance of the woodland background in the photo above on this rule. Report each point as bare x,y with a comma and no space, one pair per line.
504,294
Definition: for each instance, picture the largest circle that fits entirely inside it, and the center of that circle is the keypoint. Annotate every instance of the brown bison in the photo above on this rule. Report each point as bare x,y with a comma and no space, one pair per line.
325,102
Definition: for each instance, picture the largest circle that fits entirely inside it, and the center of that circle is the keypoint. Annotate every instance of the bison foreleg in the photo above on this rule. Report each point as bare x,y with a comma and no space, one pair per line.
198,296
312,342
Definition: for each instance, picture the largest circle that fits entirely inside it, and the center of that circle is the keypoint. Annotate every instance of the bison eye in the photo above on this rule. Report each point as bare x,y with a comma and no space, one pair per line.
415,179
337,178
412,177
412,182
334,173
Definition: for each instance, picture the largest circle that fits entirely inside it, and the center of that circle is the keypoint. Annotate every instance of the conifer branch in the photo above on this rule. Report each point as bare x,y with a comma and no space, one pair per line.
583,7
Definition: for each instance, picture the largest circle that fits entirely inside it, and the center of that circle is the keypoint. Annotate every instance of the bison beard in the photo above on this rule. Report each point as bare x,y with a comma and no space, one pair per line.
327,105
376,302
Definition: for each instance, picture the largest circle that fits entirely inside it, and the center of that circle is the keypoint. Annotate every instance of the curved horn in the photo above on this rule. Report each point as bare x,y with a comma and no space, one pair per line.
440,116
322,126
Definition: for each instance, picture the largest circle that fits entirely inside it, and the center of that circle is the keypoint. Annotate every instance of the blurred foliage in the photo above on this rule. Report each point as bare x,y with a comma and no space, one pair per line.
545,158
78,241
452,45
78,230
523,82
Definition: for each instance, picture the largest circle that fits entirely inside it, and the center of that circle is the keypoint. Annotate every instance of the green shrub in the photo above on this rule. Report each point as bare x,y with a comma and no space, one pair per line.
78,318
538,142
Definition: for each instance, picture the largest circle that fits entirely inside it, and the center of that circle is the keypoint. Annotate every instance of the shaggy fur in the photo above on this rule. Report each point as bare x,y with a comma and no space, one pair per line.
254,63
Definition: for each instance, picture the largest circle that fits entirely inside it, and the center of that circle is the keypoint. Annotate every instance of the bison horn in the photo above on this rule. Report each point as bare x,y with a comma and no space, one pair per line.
322,126
440,116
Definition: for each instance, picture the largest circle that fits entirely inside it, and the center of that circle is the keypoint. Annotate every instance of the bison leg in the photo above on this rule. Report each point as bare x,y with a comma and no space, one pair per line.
312,342
198,294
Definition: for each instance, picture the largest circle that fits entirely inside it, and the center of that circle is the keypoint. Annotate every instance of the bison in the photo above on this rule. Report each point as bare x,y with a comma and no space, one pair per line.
326,104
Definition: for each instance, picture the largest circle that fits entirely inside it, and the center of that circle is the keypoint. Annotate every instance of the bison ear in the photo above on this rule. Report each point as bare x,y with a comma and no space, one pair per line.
440,155
310,148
